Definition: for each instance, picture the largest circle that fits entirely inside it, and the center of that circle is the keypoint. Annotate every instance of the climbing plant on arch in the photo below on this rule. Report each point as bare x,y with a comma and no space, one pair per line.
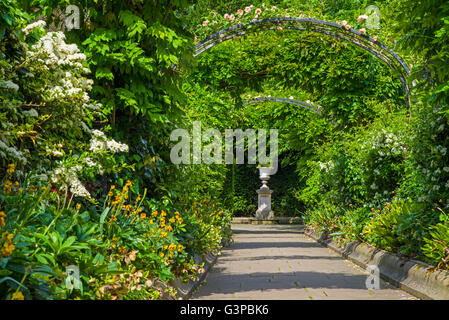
344,32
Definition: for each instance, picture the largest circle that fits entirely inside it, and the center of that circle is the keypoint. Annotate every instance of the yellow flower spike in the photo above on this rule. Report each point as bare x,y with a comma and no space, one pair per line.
17,296
78,206
128,183
154,214
143,215
172,220
161,254
110,194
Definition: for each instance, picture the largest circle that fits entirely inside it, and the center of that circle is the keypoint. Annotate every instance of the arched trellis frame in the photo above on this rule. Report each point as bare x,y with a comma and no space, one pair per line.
314,25
302,104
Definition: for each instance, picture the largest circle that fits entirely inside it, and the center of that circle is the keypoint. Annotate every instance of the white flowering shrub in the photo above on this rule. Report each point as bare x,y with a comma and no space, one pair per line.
363,167
427,170
46,113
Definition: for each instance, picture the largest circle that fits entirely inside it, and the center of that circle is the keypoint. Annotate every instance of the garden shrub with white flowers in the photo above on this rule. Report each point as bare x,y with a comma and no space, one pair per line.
55,151
86,181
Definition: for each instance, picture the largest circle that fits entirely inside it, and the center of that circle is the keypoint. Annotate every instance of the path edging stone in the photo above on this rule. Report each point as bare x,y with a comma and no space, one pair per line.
409,275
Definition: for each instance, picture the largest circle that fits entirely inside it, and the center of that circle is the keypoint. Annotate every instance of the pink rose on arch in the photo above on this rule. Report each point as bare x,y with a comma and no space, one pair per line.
205,23
258,11
248,9
231,17
226,16
239,12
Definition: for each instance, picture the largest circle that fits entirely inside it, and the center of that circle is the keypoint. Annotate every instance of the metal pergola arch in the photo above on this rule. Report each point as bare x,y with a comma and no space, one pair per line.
365,42
302,104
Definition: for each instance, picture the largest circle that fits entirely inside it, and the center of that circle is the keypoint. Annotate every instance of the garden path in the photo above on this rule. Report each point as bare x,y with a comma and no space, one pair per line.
278,262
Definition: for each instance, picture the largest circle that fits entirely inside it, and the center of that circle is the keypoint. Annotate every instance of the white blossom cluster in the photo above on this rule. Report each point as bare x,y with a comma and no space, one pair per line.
100,142
386,144
33,26
326,166
64,61
67,178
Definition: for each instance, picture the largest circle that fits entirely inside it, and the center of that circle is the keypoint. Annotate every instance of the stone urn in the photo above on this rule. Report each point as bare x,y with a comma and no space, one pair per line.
264,211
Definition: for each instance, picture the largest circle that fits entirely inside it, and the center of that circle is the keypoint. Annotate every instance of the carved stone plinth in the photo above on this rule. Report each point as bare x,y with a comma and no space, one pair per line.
264,211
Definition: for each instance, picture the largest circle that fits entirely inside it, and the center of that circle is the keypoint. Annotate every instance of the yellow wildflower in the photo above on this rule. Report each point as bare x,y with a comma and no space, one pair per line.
17,296
11,168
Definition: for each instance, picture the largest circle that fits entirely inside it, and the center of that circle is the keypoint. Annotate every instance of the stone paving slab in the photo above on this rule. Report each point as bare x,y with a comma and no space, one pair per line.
277,262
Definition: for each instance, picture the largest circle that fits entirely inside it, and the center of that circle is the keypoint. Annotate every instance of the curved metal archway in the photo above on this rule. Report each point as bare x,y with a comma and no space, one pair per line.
314,25
289,101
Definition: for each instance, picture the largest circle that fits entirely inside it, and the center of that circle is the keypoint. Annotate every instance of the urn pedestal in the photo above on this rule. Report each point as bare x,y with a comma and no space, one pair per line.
264,211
